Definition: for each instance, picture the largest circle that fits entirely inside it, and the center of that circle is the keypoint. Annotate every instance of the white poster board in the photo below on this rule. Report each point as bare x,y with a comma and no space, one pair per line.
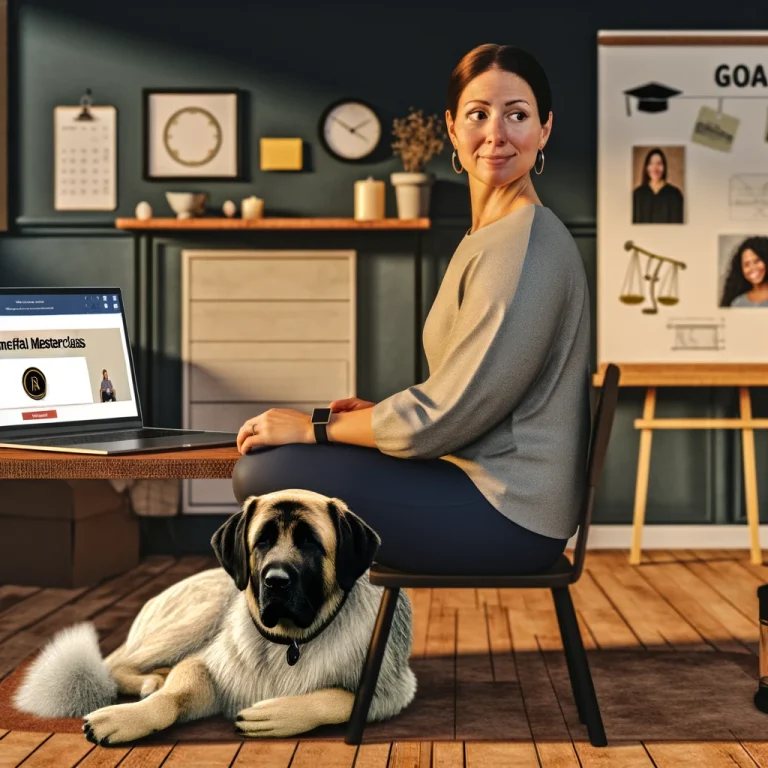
666,246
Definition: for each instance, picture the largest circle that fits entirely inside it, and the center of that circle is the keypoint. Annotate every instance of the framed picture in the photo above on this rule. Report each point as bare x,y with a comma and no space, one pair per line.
192,134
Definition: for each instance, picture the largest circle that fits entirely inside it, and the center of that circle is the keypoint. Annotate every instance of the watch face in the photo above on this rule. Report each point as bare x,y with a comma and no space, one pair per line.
321,415
350,130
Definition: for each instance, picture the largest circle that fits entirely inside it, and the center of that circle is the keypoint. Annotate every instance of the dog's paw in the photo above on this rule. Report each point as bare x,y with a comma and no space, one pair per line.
119,723
284,716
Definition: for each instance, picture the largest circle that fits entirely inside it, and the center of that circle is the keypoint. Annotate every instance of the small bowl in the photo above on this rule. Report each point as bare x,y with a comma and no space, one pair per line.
187,204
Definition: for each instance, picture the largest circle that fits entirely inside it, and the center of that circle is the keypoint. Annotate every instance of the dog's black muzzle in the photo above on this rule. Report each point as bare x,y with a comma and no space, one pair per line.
281,596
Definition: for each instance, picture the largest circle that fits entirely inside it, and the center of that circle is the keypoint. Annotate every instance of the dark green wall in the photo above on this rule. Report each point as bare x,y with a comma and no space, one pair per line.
292,61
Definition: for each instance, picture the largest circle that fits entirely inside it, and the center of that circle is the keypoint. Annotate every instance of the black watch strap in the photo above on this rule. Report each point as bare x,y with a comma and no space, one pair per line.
321,433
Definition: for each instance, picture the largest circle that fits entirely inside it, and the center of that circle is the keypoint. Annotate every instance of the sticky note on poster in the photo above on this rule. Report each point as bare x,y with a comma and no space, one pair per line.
713,130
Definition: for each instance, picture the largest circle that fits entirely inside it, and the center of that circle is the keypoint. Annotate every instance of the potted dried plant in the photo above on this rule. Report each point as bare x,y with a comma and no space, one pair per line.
419,139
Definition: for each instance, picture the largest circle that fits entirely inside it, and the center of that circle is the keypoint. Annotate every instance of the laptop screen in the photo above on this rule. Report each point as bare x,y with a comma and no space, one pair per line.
64,357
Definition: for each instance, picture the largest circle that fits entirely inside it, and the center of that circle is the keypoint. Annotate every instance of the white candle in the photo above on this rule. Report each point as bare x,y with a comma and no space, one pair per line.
252,207
370,199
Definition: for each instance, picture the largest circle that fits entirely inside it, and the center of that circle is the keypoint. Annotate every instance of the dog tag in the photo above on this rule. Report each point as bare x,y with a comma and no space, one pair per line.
293,653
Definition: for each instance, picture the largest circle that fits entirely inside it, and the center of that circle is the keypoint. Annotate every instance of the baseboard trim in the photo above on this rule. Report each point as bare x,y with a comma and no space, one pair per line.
605,536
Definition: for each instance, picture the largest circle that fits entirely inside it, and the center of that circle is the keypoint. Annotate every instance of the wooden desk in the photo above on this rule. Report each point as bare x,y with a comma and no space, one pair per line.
203,463
652,376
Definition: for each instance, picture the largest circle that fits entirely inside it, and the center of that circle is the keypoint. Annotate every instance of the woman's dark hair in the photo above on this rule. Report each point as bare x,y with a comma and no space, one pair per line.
510,59
654,151
736,283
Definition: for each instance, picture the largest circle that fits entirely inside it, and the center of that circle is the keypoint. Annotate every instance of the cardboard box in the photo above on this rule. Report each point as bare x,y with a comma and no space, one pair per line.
65,533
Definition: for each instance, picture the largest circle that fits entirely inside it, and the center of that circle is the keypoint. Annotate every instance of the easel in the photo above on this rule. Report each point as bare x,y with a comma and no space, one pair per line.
652,376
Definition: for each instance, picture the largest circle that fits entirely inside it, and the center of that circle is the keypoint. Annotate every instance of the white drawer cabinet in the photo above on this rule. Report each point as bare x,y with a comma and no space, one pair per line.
262,329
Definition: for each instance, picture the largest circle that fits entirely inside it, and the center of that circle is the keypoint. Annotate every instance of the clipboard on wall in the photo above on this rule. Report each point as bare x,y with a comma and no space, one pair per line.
85,157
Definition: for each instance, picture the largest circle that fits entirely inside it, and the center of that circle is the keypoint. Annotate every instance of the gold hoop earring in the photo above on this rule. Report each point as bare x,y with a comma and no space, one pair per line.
454,157
540,153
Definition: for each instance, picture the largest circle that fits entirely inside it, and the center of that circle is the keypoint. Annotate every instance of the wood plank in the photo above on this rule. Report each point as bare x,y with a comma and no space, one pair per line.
546,714
481,754
269,222
421,601
500,641
733,581
18,745
714,618
454,598
408,754
653,620
687,374
104,757
628,755
12,594
446,754
142,756
606,624
61,750
758,751
557,754
204,463
368,756
701,423
473,653
212,755
712,754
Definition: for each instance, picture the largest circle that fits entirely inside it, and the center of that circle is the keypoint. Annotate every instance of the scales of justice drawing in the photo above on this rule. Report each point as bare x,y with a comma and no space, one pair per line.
632,289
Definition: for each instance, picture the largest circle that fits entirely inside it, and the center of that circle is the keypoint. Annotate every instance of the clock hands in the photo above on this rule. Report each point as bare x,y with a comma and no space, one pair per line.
351,129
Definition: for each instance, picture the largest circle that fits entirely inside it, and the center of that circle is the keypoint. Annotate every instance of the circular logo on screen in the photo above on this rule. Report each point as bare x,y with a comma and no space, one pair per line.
34,383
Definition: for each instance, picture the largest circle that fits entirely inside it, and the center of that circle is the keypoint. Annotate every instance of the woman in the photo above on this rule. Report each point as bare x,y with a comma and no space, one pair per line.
656,201
480,467
107,390
747,282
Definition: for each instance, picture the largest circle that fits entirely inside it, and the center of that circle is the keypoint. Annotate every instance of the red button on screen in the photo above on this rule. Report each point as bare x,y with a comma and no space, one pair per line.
34,415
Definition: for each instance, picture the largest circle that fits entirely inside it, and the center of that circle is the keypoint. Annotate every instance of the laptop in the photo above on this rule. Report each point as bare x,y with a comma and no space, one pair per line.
67,380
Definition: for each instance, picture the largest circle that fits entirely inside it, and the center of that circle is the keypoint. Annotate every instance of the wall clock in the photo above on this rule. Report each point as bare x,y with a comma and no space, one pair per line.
350,130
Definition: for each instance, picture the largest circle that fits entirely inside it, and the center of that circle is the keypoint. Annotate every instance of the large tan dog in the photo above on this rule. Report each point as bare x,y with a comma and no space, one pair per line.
275,639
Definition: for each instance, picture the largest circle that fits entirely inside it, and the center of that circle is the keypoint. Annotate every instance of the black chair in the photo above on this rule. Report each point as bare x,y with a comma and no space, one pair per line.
556,578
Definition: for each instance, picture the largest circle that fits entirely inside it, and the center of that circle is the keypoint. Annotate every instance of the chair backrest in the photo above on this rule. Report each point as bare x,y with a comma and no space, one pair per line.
598,447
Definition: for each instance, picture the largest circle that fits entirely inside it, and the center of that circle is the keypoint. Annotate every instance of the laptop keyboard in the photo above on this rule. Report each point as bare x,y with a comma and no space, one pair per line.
108,437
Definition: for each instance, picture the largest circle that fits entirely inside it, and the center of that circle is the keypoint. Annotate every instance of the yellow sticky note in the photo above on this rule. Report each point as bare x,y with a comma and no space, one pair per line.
281,154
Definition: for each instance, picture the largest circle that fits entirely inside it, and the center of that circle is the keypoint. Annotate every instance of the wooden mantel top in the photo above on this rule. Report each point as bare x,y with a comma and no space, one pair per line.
267,222
202,463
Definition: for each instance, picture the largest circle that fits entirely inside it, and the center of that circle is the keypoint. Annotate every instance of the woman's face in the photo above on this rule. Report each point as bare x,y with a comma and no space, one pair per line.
753,267
105,374
497,131
655,167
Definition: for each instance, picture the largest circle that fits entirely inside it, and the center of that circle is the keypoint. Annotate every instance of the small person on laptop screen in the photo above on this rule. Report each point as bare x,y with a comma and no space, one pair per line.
107,390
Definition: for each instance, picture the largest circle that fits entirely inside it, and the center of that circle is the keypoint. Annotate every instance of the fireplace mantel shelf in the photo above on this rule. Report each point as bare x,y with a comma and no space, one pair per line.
212,223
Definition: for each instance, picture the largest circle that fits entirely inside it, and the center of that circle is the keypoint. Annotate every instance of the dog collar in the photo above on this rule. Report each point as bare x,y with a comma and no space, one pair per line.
294,651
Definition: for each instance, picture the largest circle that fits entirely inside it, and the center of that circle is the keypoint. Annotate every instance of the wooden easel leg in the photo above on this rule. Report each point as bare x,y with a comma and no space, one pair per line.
643,469
750,477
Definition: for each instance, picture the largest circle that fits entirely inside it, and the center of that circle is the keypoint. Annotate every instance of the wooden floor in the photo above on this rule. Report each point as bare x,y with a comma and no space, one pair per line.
674,600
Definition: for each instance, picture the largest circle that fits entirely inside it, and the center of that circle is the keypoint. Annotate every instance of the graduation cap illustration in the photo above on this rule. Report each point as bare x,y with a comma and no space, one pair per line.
651,97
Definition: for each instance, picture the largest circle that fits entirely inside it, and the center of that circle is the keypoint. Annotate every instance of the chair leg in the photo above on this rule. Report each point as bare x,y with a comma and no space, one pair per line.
372,666
570,661
581,678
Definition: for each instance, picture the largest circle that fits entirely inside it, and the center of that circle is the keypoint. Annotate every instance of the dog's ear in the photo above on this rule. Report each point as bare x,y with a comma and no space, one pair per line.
230,545
356,544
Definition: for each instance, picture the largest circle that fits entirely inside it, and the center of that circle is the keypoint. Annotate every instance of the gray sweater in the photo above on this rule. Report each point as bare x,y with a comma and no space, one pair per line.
507,341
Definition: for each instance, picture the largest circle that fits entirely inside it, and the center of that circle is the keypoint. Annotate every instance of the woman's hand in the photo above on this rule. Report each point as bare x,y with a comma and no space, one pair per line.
350,404
277,426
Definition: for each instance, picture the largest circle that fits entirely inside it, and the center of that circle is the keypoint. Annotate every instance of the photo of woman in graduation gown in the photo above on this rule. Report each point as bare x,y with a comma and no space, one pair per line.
656,201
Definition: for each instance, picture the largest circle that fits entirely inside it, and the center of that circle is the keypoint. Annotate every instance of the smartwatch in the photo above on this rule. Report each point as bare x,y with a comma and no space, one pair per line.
321,417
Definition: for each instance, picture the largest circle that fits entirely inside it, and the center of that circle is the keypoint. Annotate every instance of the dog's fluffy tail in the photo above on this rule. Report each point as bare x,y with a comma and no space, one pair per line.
68,678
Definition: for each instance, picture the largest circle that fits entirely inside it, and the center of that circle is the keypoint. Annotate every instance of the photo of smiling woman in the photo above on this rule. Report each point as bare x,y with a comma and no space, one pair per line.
657,198
746,272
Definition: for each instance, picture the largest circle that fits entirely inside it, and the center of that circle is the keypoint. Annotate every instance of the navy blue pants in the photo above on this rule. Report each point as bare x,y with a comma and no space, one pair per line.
430,516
